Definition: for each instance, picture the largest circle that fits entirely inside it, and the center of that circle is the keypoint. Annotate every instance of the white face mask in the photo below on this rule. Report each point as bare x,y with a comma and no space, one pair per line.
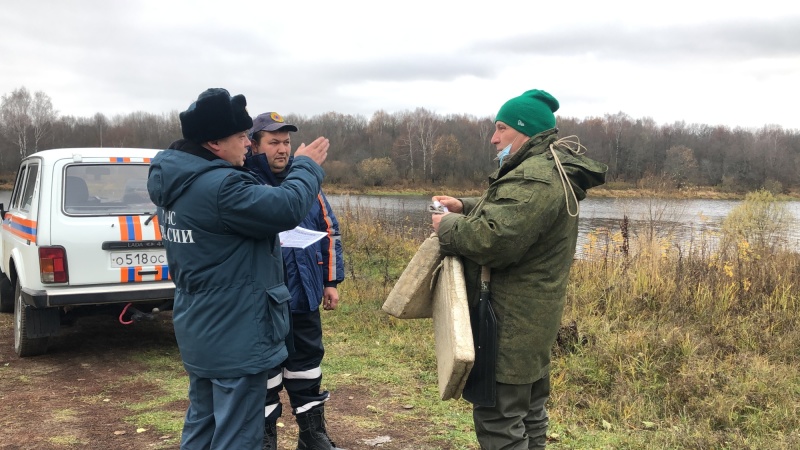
505,152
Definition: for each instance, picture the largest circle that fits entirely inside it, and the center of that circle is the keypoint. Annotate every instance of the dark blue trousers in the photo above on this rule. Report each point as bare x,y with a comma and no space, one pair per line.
225,413
300,374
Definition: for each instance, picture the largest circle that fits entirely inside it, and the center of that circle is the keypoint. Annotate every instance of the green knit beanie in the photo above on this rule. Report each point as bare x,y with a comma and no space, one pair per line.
530,113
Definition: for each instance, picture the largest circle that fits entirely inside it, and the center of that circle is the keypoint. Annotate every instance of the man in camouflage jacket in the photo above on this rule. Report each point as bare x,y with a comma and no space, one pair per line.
524,228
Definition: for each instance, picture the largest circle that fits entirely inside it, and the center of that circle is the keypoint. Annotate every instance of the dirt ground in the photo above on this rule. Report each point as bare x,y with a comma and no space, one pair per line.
74,396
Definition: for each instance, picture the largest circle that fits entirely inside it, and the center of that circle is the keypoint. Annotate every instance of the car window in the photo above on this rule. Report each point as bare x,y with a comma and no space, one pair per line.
25,187
31,179
106,189
19,187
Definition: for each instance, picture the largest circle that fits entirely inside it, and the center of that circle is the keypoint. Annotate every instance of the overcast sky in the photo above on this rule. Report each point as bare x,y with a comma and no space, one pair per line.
732,63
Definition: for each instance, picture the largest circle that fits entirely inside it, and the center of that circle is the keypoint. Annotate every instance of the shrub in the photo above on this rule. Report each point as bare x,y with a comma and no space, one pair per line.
760,221
338,172
376,171
773,186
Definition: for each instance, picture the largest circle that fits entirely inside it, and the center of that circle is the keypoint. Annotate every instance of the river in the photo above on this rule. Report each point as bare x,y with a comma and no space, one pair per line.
680,219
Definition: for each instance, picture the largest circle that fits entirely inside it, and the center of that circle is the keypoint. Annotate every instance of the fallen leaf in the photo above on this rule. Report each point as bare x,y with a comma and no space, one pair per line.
119,432
607,425
106,399
141,430
408,406
649,425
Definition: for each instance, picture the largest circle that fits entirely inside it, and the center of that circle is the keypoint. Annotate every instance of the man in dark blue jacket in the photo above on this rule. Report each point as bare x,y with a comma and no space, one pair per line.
312,274
220,226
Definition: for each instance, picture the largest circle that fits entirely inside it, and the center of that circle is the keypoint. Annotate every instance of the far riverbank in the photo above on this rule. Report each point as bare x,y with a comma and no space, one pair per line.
697,193
610,190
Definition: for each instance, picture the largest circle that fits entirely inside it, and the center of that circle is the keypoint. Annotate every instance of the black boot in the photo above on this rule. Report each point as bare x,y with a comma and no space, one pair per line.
312,434
270,436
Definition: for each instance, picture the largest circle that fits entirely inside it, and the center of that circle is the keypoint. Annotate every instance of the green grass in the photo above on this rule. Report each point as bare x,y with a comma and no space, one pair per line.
393,359
167,383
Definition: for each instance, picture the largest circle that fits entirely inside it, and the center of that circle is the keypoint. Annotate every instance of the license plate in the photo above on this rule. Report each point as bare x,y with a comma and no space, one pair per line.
133,259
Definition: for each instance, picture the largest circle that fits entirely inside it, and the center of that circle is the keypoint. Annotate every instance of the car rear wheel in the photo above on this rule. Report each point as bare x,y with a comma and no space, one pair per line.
6,295
23,318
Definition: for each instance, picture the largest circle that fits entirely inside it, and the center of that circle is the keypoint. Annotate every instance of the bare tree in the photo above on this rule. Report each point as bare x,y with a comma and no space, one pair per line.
427,124
419,137
485,129
24,114
15,111
381,131
615,127
446,152
42,117
406,141
680,165
768,145
101,122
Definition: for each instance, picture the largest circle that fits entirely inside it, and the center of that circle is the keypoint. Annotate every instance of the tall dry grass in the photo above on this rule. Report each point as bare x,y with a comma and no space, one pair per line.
682,344
687,345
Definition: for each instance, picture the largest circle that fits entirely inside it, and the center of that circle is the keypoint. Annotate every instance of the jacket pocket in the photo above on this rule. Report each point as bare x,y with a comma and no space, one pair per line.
520,186
278,297
514,192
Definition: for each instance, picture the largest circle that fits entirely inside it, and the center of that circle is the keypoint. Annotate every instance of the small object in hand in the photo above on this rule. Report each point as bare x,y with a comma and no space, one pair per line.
437,208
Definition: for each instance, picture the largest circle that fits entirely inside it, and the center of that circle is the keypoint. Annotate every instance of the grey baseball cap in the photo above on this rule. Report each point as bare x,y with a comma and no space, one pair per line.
270,121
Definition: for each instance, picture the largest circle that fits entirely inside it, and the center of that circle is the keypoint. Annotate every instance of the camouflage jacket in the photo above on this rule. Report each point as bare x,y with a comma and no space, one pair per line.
525,228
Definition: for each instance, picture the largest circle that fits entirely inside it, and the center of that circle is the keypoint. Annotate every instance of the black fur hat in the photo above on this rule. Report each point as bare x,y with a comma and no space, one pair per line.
215,115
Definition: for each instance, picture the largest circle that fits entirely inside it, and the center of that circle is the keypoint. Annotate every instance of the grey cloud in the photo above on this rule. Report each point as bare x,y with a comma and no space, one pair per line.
310,86
715,42
113,53
418,68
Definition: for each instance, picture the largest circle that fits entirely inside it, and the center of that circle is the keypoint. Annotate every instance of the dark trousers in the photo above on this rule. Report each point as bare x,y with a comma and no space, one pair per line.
300,374
518,421
224,413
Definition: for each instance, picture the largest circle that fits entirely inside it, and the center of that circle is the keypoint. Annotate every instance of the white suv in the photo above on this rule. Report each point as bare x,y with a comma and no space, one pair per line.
80,235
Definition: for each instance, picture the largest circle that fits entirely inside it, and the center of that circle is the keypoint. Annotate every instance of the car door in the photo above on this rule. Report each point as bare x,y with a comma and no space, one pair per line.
20,224
104,219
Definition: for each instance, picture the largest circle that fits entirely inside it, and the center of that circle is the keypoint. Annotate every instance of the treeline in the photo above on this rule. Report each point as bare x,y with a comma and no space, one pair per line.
421,147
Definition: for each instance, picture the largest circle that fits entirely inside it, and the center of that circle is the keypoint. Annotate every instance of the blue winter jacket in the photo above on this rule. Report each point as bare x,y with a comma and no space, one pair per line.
310,269
219,225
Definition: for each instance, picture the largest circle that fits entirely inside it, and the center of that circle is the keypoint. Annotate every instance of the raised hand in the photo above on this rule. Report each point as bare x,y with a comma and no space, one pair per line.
317,150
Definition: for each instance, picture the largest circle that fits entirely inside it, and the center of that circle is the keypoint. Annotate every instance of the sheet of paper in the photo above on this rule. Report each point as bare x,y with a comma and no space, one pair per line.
300,237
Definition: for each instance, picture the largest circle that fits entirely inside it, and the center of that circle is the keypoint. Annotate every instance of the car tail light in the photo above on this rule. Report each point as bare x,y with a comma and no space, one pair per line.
53,264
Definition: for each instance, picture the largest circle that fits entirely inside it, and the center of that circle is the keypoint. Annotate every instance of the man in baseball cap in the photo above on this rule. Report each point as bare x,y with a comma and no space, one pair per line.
312,275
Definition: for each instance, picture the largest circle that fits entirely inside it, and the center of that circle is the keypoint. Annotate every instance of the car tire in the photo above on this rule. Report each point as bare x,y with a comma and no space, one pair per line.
24,345
6,295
